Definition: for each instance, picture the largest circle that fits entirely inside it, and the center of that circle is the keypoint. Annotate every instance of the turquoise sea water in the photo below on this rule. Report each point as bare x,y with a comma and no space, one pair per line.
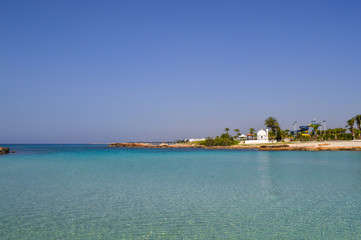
94,192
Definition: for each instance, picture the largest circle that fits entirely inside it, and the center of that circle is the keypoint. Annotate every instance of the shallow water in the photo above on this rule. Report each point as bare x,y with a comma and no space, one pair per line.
95,192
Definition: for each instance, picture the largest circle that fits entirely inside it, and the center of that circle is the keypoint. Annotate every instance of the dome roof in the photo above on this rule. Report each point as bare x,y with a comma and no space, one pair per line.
261,133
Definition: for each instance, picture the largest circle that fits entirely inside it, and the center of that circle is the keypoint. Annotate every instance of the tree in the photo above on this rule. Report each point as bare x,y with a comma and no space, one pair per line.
237,132
279,134
358,121
226,130
337,132
350,123
251,131
287,133
271,135
315,126
272,123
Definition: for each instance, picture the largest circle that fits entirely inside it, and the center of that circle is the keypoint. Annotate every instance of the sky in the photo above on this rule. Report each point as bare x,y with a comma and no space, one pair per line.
114,71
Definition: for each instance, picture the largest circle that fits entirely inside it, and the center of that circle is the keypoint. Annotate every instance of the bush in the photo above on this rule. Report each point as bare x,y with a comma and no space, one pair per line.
224,140
344,136
305,138
279,135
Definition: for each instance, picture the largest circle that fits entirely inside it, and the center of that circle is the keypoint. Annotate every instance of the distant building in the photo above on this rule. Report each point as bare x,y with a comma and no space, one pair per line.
262,137
250,137
241,137
195,139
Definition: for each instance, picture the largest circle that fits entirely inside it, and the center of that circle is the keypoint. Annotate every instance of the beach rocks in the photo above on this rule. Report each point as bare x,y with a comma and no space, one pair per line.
130,145
274,148
4,150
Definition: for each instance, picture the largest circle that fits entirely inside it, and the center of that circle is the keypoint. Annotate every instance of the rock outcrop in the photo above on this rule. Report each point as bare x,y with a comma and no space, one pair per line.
148,145
4,150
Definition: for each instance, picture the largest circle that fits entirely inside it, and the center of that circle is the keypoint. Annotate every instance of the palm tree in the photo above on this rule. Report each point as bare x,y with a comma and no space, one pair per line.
287,133
350,123
251,131
271,135
272,123
336,132
358,121
226,130
315,126
237,132
279,134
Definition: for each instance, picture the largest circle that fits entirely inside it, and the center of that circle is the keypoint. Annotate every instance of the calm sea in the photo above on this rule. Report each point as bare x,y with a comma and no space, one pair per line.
95,192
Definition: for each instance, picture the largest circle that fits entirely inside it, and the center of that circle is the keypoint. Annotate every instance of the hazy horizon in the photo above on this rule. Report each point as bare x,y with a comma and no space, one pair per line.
101,72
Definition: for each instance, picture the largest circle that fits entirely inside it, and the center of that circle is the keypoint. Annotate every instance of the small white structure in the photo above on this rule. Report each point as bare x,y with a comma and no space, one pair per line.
242,137
195,139
262,137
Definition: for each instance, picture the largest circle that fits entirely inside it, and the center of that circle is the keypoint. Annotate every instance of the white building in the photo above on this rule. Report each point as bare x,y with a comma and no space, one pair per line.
262,137
242,137
196,139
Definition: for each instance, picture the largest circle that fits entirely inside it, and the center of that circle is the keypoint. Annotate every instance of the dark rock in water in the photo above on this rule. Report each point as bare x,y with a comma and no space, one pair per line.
13,151
274,146
4,150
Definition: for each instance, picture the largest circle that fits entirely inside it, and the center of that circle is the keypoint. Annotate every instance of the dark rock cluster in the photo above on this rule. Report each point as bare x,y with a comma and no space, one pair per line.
4,150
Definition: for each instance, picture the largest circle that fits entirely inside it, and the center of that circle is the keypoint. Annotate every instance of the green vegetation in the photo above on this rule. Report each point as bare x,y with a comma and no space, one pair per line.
251,131
276,132
224,140
358,121
279,134
272,123
350,123
237,131
315,126
303,138
317,135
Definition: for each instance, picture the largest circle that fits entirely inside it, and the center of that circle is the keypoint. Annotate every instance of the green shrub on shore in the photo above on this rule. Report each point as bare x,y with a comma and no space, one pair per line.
345,136
224,140
305,138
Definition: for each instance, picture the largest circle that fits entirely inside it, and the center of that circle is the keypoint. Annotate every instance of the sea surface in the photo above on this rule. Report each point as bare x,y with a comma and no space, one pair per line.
95,192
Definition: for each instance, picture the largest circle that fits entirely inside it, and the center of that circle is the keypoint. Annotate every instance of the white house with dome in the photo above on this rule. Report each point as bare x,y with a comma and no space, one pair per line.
262,137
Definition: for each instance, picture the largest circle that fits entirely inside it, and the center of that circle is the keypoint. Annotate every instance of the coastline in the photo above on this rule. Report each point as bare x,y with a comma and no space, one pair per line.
293,146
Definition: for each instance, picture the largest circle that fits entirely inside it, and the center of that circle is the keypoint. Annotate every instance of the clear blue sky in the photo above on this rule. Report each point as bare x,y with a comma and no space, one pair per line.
105,71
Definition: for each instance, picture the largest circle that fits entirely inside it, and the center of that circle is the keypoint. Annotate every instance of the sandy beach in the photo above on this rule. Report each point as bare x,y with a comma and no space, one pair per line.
330,144
316,146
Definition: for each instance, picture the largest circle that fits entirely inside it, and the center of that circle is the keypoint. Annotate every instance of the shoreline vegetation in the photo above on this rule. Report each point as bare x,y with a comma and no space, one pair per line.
307,138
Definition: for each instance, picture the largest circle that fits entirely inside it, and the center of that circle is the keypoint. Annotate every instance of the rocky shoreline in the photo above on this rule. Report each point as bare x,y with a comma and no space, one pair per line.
322,146
4,150
175,145
148,145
